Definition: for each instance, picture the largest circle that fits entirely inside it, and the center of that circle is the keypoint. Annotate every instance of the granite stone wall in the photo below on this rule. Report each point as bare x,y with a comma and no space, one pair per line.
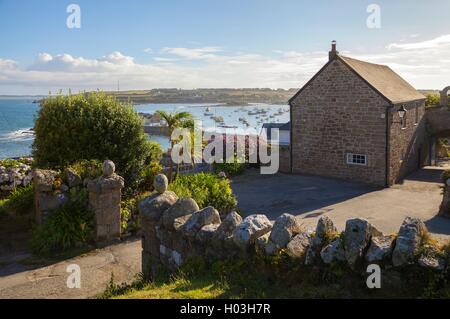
176,230
285,159
408,148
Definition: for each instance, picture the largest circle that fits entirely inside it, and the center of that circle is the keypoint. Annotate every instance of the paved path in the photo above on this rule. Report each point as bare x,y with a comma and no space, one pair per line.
310,197
124,260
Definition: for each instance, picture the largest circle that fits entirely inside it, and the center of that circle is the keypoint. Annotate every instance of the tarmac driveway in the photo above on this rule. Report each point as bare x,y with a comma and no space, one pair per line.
310,197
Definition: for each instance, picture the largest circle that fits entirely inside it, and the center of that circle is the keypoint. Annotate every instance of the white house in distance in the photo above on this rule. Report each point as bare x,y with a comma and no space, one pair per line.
284,132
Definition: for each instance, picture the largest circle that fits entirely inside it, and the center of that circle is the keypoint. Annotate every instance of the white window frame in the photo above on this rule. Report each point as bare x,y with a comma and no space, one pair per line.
352,159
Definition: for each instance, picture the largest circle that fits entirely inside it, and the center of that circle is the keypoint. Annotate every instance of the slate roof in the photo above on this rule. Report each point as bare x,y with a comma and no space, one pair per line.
380,77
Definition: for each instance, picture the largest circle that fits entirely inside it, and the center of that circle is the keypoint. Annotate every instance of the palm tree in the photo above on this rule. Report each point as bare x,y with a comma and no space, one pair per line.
175,120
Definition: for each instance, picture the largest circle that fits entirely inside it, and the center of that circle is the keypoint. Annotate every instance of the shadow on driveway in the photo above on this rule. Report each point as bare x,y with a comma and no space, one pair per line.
276,194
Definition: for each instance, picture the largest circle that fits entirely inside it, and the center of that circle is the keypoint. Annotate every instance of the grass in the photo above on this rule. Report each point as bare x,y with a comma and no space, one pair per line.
179,288
19,202
280,278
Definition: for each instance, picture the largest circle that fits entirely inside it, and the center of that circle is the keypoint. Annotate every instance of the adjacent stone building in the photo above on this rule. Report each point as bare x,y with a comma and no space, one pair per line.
346,123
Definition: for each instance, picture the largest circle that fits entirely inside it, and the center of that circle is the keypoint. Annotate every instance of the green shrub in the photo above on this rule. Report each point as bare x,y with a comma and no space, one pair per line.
432,100
88,168
231,169
19,202
125,215
156,152
90,126
206,189
148,175
129,215
69,226
151,168
11,163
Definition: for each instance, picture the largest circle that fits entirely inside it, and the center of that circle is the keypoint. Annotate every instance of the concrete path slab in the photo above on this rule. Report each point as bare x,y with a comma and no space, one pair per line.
310,197
124,260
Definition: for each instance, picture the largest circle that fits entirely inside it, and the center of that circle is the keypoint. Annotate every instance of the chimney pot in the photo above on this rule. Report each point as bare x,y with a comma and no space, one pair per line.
332,54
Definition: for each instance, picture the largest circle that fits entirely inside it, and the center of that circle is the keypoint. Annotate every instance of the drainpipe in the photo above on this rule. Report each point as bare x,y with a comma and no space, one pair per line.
388,135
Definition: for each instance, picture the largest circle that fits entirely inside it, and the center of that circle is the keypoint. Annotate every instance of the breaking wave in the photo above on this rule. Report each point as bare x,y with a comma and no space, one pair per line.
26,134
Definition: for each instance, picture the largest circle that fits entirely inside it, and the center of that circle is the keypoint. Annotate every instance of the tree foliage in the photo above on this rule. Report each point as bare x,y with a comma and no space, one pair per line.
90,126
432,100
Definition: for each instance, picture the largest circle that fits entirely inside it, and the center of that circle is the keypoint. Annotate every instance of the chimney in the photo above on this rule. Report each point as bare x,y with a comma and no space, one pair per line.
332,54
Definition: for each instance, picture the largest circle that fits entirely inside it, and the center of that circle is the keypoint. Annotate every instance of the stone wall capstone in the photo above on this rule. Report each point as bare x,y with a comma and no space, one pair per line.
174,233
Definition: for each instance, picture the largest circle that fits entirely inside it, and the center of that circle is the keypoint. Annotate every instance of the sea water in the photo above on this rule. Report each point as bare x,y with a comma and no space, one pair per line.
17,120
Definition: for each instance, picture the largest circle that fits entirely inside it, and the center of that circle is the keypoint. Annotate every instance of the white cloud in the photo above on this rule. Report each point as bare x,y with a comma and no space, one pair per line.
6,64
161,59
193,54
68,63
433,43
424,66
148,50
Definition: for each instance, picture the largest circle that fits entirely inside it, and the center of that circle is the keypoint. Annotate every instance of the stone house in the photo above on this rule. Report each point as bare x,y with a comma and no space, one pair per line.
346,123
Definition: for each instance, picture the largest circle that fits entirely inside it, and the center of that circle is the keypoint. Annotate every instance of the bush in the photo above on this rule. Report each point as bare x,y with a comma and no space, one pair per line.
19,202
155,154
88,168
67,227
152,167
206,189
148,175
130,215
14,163
231,169
432,100
86,127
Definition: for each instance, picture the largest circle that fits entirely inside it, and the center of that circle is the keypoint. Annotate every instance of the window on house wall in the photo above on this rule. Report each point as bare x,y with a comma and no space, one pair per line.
356,159
404,120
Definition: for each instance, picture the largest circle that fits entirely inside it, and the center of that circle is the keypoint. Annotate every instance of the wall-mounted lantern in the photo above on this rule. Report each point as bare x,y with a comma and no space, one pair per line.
401,113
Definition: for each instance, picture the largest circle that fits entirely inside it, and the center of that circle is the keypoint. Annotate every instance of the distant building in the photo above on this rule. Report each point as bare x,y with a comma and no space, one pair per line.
284,132
346,123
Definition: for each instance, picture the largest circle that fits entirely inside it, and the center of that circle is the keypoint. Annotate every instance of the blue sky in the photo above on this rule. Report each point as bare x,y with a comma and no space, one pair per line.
212,43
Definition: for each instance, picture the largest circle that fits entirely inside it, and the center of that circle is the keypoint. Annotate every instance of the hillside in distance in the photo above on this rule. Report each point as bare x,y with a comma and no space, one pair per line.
225,96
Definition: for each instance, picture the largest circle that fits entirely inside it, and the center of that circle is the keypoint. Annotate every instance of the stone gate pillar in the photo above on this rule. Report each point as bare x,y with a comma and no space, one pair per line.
104,200
45,199
150,210
444,209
